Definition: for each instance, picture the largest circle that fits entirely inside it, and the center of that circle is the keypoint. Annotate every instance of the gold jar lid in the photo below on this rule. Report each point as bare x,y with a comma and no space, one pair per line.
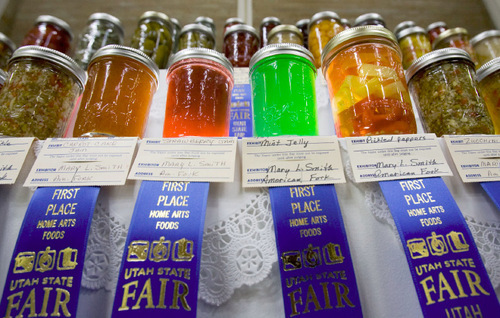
449,33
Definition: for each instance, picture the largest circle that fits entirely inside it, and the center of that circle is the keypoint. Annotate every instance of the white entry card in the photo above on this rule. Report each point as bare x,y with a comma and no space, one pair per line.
82,162
13,152
477,158
194,159
291,161
394,157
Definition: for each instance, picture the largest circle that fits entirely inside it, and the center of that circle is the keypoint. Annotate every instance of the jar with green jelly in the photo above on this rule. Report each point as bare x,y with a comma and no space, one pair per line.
282,77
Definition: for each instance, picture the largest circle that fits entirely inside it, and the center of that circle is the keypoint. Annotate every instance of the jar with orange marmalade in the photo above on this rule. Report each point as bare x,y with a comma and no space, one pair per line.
365,77
322,28
118,94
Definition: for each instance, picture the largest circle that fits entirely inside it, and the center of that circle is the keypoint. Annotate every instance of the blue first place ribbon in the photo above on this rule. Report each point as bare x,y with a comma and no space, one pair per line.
160,268
46,269
317,274
447,271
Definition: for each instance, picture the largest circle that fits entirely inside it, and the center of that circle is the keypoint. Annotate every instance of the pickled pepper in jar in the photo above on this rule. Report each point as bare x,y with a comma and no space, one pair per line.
445,91
266,25
303,26
414,43
153,37
456,37
369,19
488,77
50,32
7,48
365,77
102,29
323,27
196,36
435,29
486,46
241,42
285,33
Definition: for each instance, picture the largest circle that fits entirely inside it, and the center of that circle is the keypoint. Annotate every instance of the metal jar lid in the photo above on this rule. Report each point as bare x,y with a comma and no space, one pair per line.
158,16
195,27
488,68
323,15
436,25
409,31
3,76
120,50
206,20
302,22
7,41
234,20
435,57
242,27
280,49
53,20
403,25
484,35
448,33
200,53
53,56
285,28
270,19
368,16
363,33
109,18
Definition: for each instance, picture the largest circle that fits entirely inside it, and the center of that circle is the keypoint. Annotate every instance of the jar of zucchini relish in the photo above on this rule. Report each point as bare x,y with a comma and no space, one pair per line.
282,77
414,43
365,78
196,35
118,94
486,45
50,32
241,42
444,89
285,33
322,28
41,90
199,83
488,77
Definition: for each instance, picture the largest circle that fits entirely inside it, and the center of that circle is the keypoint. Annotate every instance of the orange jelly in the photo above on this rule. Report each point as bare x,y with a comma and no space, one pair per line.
365,78
118,94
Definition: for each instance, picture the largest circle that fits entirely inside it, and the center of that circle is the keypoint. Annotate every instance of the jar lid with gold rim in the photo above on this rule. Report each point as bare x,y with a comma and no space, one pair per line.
285,28
449,33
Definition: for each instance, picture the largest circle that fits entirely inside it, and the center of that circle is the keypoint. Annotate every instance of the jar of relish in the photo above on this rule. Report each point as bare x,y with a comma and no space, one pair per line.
196,36
369,19
50,32
366,81
303,26
435,29
232,21
102,29
153,37
323,27
7,48
414,43
486,45
241,41
456,37
285,33
488,77
266,26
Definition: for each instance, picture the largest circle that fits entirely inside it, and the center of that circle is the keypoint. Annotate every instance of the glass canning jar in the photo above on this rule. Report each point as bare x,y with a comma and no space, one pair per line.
282,77
303,26
118,94
50,32
414,43
199,84
196,36
285,33
488,77
486,45
3,78
323,27
241,41
7,48
369,19
101,29
444,89
176,29
403,25
435,29
232,21
153,37
206,21
266,25
456,37
40,92
365,78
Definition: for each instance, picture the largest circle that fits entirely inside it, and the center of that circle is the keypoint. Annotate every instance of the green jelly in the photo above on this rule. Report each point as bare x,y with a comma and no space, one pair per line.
283,77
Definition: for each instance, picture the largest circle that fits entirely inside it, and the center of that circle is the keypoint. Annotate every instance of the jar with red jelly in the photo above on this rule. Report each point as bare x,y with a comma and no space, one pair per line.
241,41
50,32
435,29
266,26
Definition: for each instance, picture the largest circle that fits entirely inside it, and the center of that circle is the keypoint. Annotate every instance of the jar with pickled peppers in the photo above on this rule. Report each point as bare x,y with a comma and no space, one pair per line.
280,107
365,77
199,84
369,19
118,94
40,93
303,26
488,77
444,89
230,22
323,27
486,45
435,29
50,32
241,42
285,33
102,29
414,43
196,36
456,37
153,37
7,48
266,25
